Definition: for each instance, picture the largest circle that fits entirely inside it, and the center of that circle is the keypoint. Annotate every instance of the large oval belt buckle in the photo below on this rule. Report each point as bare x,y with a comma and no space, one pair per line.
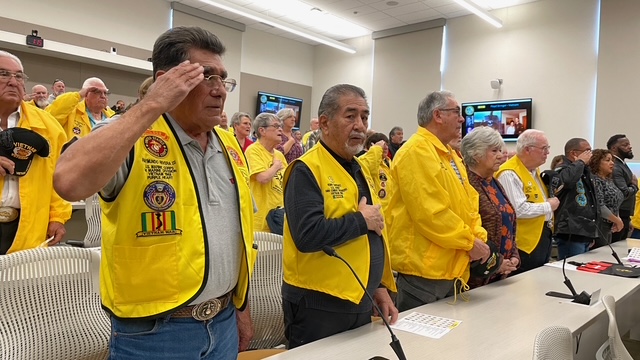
8,214
206,310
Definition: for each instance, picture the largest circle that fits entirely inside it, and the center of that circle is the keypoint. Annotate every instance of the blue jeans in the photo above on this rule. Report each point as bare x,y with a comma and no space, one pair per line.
571,248
175,338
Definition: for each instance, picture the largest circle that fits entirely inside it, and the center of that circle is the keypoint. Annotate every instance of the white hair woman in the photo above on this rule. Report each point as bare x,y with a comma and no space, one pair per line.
482,153
290,146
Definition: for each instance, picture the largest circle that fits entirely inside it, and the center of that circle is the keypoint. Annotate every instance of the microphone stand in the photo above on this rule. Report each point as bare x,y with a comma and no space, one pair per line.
395,343
613,252
582,298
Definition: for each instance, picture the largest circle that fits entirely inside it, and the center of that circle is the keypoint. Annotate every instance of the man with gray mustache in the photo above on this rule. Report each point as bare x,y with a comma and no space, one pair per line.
329,201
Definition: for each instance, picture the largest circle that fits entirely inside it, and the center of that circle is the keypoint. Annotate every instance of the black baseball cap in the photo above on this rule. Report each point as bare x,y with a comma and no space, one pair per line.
20,145
489,267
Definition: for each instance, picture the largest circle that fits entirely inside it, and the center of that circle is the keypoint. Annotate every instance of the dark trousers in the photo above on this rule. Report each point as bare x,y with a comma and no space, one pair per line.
8,232
414,291
539,256
625,216
303,325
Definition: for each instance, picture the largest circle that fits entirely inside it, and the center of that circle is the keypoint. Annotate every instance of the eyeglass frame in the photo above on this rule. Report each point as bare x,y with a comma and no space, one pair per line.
9,74
100,92
275,126
232,83
457,109
543,148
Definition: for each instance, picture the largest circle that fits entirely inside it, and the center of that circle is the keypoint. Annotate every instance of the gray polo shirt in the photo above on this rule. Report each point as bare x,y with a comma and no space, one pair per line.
218,198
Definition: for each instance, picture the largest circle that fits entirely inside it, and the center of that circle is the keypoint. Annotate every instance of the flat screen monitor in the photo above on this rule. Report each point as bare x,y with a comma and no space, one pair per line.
272,103
509,117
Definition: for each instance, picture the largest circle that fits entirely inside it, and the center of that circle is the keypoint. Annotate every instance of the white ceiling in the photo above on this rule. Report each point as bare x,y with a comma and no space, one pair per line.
374,15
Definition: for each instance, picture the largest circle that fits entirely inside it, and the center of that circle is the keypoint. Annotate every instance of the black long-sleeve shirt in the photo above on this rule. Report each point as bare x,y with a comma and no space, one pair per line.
311,230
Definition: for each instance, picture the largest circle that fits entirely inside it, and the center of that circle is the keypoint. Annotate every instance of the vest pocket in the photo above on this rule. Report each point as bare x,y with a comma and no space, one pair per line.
145,274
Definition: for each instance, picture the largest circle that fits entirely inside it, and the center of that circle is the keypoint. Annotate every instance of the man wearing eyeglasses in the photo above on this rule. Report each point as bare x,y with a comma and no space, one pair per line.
78,112
534,205
435,228
57,89
30,211
177,240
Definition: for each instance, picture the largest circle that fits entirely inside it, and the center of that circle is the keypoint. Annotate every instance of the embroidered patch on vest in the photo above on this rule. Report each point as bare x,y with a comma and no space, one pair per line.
159,196
336,190
382,193
158,223
156,146
76,130
235,156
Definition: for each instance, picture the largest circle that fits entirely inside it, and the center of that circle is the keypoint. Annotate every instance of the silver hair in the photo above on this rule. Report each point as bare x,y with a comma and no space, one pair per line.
476,144
528,138
236,119
12,57
433,101
263,120
92,81
285,113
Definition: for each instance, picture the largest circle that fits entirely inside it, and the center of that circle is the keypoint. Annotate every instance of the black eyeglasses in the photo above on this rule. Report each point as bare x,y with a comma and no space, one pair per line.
456,109
275,126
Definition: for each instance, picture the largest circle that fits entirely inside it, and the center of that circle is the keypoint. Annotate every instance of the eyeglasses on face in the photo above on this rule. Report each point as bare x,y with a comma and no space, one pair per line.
456,109
543,148
275,126
101,92
6,75
216,80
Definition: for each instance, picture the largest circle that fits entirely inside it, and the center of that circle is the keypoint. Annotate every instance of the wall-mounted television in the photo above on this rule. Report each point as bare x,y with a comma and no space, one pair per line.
509,117
272,103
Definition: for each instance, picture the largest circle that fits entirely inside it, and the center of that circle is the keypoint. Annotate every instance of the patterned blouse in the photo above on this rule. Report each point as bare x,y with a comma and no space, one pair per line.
498,218
608,194
295,152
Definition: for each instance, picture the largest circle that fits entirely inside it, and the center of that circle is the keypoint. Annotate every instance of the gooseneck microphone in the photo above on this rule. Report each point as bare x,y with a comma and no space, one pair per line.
582,298
613,252
395,343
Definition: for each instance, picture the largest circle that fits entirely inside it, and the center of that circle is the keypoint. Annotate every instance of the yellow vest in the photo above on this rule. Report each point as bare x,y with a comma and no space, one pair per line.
529,230
154,247
318,271
39,202
381,174
635,219
71,111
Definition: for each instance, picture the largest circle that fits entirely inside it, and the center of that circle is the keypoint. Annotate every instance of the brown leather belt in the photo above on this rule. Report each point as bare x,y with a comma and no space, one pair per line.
206,310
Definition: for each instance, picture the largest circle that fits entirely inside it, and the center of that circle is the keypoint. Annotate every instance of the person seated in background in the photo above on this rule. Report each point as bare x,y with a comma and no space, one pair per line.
31,212
57,89
329,201
511,128
520,178
376,159
241,125
577,216
434,225
313,130
289,146
78,112
396,136
482,154
609,197
267,165
38,97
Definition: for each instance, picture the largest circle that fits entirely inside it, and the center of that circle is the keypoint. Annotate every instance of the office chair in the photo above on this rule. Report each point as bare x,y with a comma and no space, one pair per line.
265,298
50,306
259,354
613,348
93,214
553,343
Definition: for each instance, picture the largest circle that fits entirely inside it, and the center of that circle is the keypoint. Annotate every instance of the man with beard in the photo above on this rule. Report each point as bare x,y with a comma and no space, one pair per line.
38,96
624,179
79,112
329,201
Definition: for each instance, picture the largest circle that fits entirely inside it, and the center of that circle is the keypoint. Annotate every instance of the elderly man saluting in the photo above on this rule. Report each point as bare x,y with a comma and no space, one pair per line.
329,201
30,143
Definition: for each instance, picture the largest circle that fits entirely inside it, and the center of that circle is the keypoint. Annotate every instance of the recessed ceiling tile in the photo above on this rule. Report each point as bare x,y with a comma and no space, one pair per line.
449,8
383,5
406,9
365,19
357,11
436,3
419,16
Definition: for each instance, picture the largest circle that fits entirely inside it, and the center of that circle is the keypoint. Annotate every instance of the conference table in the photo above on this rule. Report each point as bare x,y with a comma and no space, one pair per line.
501,320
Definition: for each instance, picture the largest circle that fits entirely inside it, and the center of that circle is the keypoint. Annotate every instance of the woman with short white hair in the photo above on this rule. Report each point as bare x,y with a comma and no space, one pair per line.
482,153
